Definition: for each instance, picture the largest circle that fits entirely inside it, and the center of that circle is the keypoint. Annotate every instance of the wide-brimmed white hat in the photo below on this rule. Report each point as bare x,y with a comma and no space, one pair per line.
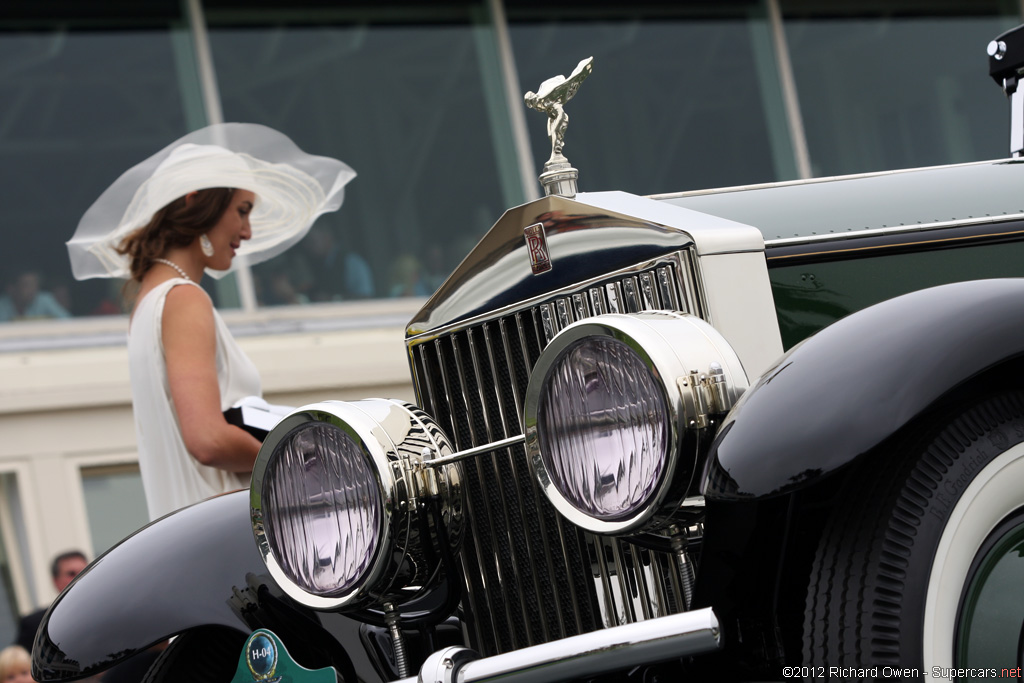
292,189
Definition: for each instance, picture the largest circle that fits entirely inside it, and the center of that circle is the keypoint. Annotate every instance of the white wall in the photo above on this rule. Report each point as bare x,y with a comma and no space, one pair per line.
64,407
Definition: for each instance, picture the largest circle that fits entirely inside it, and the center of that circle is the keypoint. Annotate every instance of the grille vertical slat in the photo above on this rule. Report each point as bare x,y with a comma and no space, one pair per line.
624,588
648,292
643,595
484,483
479,542
660,589
531,576
666,288
513,542
613,296
430,372
597,302
525,324
553,523
538,629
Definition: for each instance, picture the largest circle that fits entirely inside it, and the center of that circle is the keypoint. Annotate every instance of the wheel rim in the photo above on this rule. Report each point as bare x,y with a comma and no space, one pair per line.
989,626
993,495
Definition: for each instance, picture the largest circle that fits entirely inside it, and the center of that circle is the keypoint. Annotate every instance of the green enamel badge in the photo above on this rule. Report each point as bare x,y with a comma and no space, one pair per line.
264,659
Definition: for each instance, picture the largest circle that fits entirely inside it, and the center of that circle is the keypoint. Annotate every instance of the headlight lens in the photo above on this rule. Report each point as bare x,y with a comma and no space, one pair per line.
324,509
612,412
603,428
333,503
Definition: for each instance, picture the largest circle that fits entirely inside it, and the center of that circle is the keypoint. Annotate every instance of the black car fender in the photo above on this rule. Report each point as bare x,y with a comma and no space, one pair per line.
834,397
196,567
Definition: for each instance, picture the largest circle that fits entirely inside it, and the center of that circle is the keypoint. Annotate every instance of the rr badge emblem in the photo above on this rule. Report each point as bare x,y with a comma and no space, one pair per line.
537,247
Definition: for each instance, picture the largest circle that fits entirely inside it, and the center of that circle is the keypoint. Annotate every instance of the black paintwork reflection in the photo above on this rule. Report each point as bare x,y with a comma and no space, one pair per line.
198,566
803,309
816,288
841,392
173,574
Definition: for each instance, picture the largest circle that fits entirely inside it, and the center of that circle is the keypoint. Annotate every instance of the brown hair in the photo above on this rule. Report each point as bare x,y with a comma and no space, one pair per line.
175,225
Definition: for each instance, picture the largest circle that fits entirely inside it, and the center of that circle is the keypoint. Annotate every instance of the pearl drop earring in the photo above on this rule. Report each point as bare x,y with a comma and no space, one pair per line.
206,245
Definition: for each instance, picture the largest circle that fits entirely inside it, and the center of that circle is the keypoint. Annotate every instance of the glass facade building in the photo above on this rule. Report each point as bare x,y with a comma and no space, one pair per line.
424,100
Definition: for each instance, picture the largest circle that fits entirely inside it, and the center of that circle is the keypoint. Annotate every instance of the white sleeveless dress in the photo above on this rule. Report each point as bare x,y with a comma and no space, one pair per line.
171,477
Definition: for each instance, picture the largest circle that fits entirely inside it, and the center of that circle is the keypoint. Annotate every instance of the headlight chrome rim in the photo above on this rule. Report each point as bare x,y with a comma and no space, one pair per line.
388,435
670,346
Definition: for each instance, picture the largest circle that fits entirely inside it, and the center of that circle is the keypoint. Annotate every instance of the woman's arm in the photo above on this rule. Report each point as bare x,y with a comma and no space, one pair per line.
190,349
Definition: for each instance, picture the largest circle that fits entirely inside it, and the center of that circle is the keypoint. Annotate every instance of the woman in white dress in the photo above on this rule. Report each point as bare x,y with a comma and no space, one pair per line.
193,208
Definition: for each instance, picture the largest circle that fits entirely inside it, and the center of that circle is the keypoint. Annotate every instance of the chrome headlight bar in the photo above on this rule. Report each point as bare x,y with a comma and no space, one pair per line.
614,410
334,502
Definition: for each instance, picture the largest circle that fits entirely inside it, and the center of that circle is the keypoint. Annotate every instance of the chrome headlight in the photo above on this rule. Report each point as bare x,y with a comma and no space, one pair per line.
333,501
613,410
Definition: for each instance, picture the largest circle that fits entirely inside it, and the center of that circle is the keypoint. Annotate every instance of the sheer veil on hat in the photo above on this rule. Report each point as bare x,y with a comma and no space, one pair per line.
292,189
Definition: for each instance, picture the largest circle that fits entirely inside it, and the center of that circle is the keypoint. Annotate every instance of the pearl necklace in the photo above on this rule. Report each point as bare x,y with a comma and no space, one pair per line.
174,265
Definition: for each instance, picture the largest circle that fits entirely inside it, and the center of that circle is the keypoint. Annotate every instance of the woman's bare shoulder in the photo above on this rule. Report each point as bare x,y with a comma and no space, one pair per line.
189,292
188,304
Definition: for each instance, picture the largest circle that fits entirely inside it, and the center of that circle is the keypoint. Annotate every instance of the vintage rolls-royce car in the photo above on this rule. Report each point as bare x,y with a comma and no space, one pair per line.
759,432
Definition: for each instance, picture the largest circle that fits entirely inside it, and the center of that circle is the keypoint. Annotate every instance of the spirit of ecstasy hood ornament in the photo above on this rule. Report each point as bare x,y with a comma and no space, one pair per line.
559,177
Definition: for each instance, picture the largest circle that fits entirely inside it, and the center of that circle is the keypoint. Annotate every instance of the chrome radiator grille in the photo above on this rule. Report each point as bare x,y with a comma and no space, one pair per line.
532,577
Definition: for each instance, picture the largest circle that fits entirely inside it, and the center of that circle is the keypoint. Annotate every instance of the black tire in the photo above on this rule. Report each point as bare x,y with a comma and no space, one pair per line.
926,514
202,655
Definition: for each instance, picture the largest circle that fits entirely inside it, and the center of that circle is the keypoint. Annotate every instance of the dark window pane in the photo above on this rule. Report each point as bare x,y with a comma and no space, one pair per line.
898,85
402,100
675,101
80,106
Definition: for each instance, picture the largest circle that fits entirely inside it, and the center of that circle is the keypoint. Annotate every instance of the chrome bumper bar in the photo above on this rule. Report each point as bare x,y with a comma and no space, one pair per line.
616,648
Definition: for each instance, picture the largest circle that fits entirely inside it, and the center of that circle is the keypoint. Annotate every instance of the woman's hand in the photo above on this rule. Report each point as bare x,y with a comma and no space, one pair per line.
190,349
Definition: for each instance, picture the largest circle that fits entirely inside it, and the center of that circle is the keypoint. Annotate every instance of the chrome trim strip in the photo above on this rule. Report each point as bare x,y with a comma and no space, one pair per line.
811,181
577,657
693,285
682,260
894,230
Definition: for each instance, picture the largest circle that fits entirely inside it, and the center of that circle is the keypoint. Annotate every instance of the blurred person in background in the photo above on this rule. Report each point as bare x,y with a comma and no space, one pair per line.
26,300
64,568
15,665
